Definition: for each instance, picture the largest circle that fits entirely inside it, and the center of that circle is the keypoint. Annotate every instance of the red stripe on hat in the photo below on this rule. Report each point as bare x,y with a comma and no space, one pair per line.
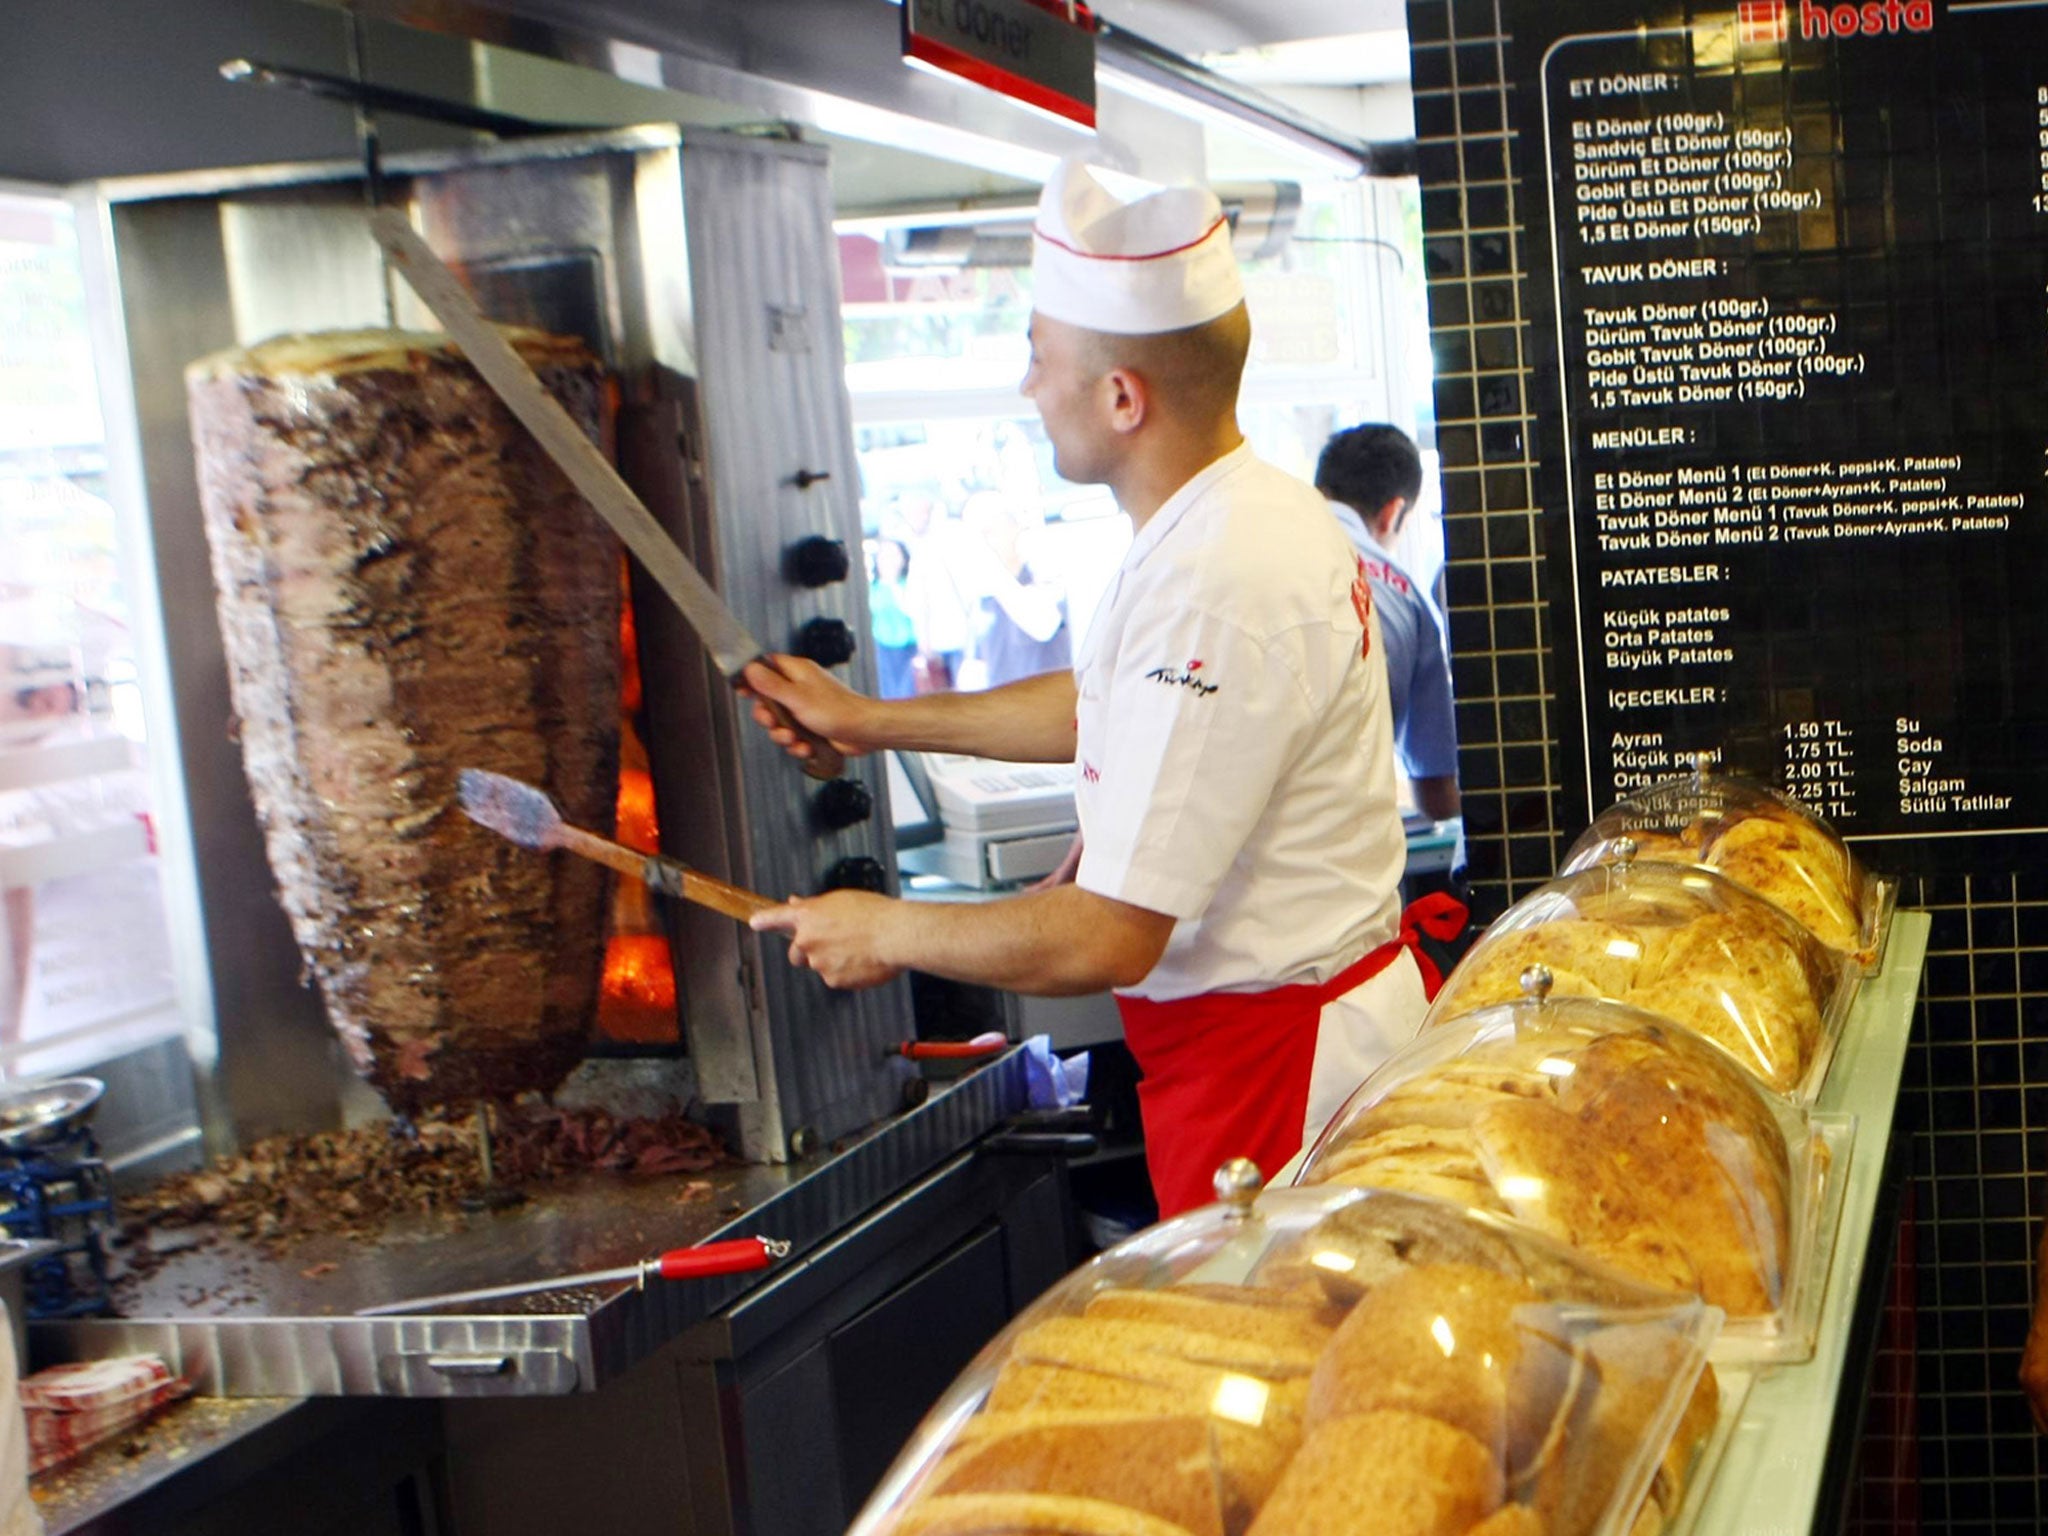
1221,219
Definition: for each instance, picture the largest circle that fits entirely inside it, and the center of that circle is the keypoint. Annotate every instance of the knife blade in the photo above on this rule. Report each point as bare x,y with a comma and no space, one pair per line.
732,647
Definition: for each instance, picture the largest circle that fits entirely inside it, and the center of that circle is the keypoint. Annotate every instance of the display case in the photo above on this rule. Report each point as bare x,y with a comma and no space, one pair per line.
1684,943
1766,842
1616,1132
1272,1366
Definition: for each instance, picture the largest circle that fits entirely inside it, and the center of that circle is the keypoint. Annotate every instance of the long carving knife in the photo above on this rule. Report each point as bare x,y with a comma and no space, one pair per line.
732,648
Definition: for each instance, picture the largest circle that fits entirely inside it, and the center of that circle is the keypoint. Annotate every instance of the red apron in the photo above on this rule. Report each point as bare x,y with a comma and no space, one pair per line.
1226,1074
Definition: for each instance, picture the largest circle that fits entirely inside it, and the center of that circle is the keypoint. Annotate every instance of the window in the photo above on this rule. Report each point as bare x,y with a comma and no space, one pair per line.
85,955
982,563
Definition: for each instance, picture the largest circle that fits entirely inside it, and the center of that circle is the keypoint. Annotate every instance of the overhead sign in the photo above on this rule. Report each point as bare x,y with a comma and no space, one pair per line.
1039,54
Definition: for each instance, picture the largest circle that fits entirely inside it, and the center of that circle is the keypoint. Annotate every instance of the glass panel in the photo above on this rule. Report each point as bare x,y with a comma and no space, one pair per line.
85,964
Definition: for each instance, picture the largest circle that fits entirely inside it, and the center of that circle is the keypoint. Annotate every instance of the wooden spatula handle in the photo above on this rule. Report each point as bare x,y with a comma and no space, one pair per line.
732,900
599,850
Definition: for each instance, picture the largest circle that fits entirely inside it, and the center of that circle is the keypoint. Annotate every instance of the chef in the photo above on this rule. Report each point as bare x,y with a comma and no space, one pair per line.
1227,714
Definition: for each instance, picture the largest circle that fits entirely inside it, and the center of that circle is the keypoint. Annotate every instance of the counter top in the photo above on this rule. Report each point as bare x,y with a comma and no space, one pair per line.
1769,1480
141,1459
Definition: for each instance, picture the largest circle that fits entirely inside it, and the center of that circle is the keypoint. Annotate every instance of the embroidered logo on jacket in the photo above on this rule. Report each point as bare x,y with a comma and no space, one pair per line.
1361,600
1184,679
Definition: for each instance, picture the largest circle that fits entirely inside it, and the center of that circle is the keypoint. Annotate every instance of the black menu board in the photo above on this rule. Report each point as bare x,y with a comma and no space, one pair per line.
1790,262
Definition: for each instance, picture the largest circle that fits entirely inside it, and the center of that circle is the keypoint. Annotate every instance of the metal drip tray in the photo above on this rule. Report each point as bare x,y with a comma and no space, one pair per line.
241,1323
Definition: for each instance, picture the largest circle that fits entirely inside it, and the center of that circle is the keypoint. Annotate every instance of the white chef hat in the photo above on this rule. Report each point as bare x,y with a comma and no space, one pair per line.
1158,260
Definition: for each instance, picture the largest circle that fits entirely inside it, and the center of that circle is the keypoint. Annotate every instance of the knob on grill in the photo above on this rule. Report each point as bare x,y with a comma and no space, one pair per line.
816,561
859,873
843,803
828,642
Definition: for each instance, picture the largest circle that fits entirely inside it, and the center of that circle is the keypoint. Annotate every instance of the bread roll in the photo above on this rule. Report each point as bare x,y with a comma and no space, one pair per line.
1511,1520
1071,1363
1653,847
1739,979
1026,1386
1421,1174
1472,1348
1356,1248
1247,1461
1027,1514
1291,1331
1796,866
1417,1159
1555,1179
1390,1473
1635,1363
1709,1159
1160,1465
1093,1341
1310,1304
1586,958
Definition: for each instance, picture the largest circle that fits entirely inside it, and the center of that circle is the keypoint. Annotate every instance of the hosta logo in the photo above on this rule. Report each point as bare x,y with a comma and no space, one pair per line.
1873,18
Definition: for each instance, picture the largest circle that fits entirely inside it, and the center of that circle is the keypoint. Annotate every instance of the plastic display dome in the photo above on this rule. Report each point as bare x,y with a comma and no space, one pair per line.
1627,1137
1680,942
1764,841
1320,1360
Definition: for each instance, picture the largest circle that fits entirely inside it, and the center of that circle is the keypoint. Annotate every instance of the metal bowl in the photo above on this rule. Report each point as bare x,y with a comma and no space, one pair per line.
35,1113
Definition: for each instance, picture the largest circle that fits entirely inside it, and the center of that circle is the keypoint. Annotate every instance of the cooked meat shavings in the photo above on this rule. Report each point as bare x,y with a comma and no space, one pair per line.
353,1183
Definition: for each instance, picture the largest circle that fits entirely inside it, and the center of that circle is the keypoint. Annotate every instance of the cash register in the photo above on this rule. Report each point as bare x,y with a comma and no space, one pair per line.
977,823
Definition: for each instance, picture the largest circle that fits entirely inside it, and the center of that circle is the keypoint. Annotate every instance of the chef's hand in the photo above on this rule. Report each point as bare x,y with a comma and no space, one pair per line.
834,935
816,698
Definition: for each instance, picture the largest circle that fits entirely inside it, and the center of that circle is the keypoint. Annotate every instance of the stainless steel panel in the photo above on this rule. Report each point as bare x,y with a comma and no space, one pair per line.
834,64
779,465
300,262
157,272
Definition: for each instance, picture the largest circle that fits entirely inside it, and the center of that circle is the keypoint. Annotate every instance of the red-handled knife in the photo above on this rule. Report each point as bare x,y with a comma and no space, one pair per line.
697,1263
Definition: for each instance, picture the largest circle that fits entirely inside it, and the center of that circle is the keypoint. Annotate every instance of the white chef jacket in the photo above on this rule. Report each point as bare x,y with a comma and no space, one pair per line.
1234,745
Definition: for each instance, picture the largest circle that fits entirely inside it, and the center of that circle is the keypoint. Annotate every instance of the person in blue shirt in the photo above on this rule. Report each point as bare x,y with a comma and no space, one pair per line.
894,633
1372,476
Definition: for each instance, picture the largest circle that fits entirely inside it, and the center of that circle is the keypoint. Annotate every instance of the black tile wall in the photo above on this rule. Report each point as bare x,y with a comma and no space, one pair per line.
1977,1086
1952,1448
1472,240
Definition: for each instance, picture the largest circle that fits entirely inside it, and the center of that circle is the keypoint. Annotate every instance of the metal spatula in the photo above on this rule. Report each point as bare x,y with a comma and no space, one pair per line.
529,818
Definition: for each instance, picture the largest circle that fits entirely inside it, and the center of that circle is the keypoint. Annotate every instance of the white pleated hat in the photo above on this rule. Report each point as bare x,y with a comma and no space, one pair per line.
1158,260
